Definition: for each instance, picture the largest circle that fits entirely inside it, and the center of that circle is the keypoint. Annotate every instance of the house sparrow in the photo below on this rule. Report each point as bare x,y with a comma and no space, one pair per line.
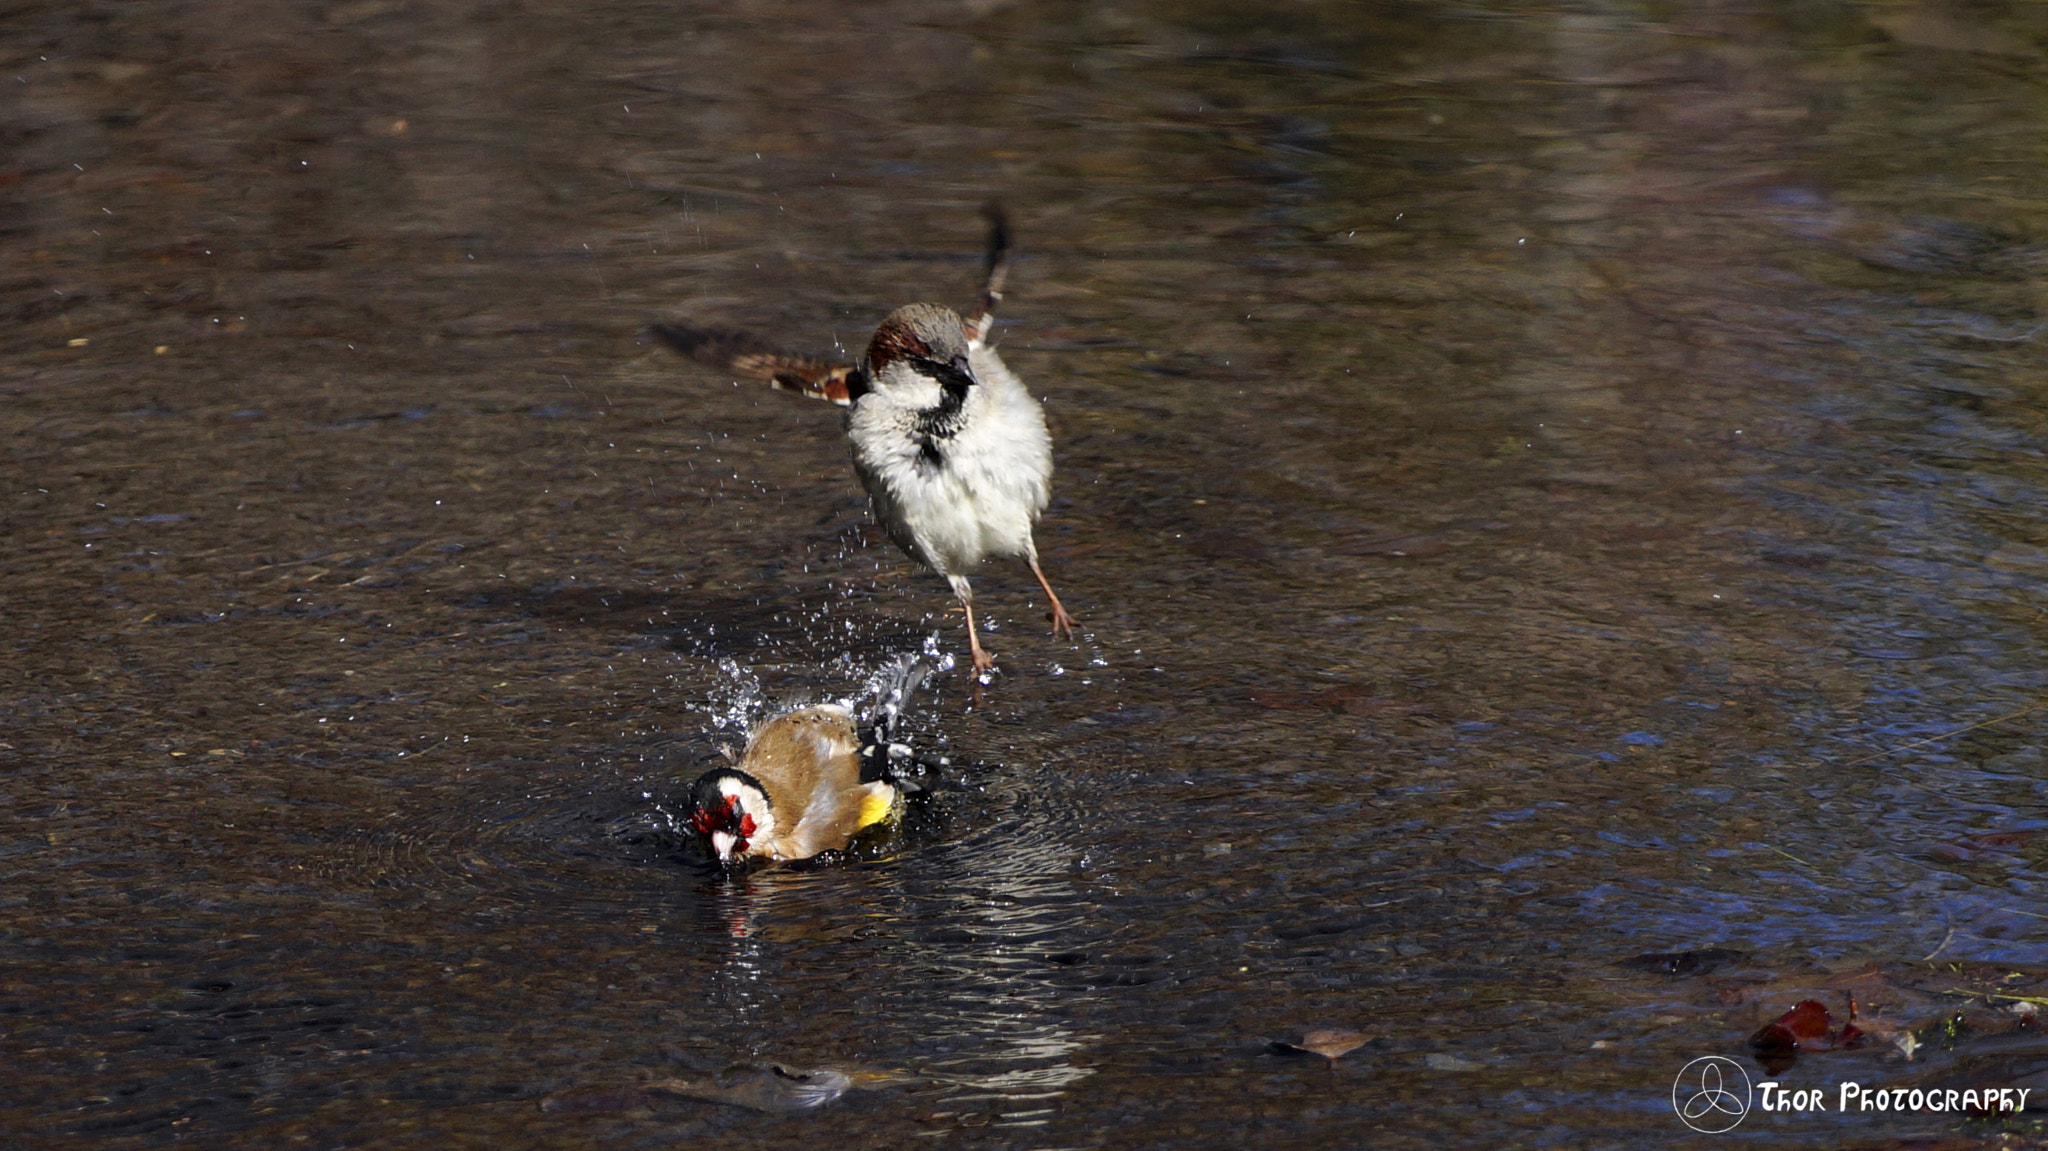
806,784
952,449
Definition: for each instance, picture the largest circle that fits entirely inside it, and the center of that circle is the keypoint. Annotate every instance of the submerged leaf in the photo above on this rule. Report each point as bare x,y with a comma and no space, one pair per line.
1806,1027
1331,1044
1326,1042
775,1089
771,1088
1810,1024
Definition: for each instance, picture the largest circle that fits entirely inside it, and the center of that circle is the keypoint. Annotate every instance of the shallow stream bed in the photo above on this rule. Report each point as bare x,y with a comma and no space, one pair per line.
1540,485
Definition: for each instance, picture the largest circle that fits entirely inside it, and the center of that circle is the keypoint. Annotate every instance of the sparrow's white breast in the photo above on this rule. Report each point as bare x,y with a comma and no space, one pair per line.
992,478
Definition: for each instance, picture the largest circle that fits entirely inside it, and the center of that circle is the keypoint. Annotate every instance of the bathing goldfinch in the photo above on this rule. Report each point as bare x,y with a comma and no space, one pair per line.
806,784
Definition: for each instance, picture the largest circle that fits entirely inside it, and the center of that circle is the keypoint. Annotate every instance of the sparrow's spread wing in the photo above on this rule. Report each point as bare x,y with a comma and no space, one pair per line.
746,356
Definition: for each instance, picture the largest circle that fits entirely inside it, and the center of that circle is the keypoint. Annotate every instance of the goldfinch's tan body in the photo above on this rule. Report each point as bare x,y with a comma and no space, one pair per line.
797,791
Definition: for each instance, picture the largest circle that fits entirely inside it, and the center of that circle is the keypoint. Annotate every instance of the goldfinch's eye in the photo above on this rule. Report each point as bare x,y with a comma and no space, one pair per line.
708,819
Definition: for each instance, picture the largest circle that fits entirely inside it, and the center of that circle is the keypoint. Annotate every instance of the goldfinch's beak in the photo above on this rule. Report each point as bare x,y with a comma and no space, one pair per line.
722,842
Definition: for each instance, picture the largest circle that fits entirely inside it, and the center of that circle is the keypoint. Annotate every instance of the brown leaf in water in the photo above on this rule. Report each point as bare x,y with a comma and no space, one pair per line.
774,1088
1330,1044
1806,1027
1326,1042
1810,1024
777,1087
1409,546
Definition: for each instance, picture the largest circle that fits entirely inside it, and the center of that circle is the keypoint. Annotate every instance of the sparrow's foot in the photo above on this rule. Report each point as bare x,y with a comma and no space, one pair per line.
984,663
1062,623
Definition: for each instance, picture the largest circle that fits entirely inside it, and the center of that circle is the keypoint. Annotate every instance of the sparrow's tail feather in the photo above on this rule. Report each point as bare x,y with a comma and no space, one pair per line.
998,271
746,356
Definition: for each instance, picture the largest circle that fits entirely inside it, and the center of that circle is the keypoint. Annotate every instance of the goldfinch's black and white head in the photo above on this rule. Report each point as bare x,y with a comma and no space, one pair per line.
731,814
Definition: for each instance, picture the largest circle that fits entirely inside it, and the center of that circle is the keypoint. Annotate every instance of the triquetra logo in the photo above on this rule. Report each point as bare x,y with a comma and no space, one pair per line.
1711,1094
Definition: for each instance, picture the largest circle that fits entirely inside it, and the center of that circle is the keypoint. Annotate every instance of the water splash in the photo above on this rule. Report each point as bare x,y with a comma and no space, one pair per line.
736,698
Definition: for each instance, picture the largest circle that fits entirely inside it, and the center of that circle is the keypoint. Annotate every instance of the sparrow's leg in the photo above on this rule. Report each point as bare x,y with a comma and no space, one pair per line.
983,661
1062,623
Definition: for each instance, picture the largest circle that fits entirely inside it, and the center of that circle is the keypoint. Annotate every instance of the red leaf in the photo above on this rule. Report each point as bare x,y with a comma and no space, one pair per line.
1807,1027
1810,1024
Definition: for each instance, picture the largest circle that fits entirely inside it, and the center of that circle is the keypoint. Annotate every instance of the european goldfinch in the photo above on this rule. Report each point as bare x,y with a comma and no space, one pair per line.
806,784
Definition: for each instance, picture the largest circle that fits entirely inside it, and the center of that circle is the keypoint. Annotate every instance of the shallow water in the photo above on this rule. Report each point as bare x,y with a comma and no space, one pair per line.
1539,485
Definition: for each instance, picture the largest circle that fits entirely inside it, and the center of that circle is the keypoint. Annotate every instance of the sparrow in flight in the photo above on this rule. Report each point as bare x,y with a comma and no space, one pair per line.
952,449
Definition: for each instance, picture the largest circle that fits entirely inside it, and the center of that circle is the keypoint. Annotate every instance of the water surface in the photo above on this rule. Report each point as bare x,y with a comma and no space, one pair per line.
1539,484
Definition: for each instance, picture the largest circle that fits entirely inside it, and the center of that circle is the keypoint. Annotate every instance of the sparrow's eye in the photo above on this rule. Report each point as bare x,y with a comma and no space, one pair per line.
954,377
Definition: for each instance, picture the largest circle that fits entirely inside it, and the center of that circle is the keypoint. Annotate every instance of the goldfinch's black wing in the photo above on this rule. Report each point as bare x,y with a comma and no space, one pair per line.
885,751
896,762
745,355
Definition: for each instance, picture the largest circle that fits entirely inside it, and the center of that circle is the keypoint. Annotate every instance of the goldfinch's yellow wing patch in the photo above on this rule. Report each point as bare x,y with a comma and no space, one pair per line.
879,804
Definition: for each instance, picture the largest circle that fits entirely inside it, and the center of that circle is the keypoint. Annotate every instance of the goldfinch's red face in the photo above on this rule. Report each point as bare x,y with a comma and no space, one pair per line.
723,813
725,826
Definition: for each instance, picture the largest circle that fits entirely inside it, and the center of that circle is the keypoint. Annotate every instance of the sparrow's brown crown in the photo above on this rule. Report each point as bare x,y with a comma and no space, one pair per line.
917,332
